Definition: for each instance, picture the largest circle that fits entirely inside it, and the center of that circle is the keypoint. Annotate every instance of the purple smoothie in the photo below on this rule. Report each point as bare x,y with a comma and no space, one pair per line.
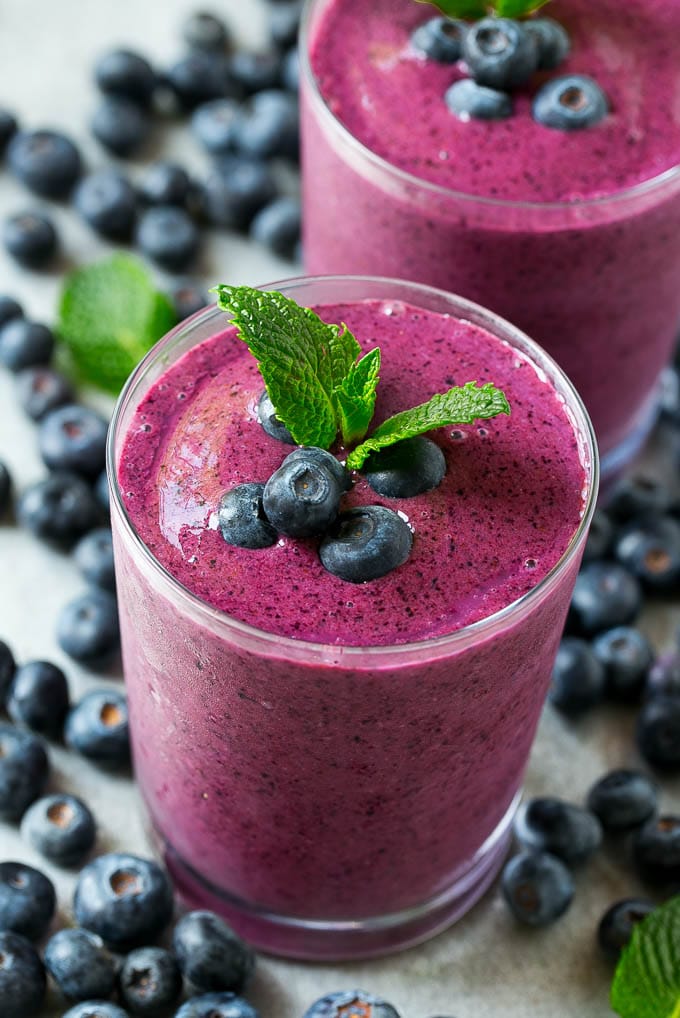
287,769
574,237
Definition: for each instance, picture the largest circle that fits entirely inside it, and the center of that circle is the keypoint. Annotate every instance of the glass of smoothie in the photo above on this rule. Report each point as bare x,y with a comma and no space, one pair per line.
334,766
574,236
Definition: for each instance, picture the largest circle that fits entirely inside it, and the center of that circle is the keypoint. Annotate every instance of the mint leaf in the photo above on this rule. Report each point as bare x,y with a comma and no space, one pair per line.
517,8
110,314
471,10
355,397
647,979
460,405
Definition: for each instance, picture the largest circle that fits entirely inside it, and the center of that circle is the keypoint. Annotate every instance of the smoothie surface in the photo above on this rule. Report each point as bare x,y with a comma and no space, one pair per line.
391,99
509,504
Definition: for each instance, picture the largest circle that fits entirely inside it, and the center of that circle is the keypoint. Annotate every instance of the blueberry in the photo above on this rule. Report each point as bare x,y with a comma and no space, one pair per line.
651,551
25,344
560,828
266,415
168,236
217,1005
210,954
617,924
204,31
626,655
406,469
8,128
46,162
38,697
538,887
284,23
365,543
80,964
213,123
95,1009
277,226
88,628
60,508
123,898
267,125
94,557
237,191
656,852
41,390
605,595
27,900
9,309
101,491
440,39
97,728
30,238
552,41
107,202
188,298
301,498
23,771
312,454
198,78
242,520
640,495
658,732
469,100
120,125
290,70
22,977
499,52
5,494
351,1004
73,438
256,71
150,981
7,669
578,678
126,74
669,395
664,675
600,536
166,183
60,827
570,103
622,800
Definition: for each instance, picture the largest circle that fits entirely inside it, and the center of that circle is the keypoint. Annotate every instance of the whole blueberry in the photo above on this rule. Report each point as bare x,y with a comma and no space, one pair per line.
165,183
124,73
212,124
236,191
656,852
168,236
46,162
120,125
605,595
617,924
365,543
322,458
42,389
188,298
469,100
277,225
406,469
290,70
256,71
150,981
7,669
30,238
9,309
5,491
499,52
8,128
210,955
623,799
107,202
658,732
73,438
301,498
663,678
570,103
27,900
537,887
101,491
558,827
284,23
650,550
217,1005
669,395
23,771
95,1009
578,678
638,495
198,78
266,414
94,557
351,1004
203,30
126,900
600,536
626,655
25,344
80,964
22,977
440,39
38,697
59,509
552,41
61,827
97,727
242,519
267,125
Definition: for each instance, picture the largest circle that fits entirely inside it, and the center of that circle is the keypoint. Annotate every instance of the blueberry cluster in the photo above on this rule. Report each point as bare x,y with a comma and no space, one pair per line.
502,54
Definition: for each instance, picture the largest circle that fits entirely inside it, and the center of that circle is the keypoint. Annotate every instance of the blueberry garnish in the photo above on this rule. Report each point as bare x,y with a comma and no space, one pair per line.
274,427
551,39
323,458
623,799
440,39
96,1009
60,827
217,1005
499,52
578,677
406,469
23,771
80,964
537,887
656,851
38,697
210,955
351,1004
658,732
46,162
617,924
97,727
570,103
469,100
366,542
30,238
27,900
242,518
22,977
150,981
107,202
302,497
552,825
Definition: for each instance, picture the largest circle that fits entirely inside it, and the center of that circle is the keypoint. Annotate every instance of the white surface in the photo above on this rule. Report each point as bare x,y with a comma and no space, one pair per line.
485,965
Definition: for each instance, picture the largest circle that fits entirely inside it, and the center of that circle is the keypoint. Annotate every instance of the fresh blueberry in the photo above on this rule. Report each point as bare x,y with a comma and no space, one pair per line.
202,30
22,977
5,495
656,852
60,508
217,1005
366,542
284,23
9,309
73,438
277,226
46,162
578,678
256,71
351,1004
570,103
322,458
88,629
107,202
97,728
600,536
237,190
639,495
188,298
25,344
210,954
120,125
8,128
60,827
651,551
200,77
94,557
212,124
267,125
126,74
166,183
406,469
41,390
290,70
552,41
80,964
622,800
242,520
626,655
7,669
499,52
658,732
560,828
538,887
266,415
605,595
664,675
301,498
38,697
30,238
23,771
467,100
617,924
95,1009
168,236
150,981
101,491
126,900
27,900
440,39
669,395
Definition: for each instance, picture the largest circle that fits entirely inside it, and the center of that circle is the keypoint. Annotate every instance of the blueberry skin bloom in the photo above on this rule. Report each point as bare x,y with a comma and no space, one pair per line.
266,415
658,732
46,162
23,771
217,1005
242,520
570,103
150,981
97,728
96,1009
73,438
22,977
351,1004
622,800
88,628
552,41
656,852
38,697
408,468
322,458
440,39
60,827
558,827
301,498
61,508
537,887
617,924
126,900
471,101
500,53
80,964
210,955
27,900
365,543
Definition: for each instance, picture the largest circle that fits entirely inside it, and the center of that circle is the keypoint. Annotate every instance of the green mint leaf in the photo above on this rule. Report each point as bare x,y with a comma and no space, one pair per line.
647,979
460,405
110,315
517,8
471,10
355,397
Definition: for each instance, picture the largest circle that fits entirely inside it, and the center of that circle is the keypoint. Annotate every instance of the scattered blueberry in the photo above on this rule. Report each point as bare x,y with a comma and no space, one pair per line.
626,655
623,799
60,827
658,732
80,964
290,70
198,78
7,669
126,74
46,162
60,508
639,495
27,900
212,124
8,128
365,543
322,458
256,72
217,1005
210,954
188,298
22,977
150,981
499,52
9,309
406,469
97,728
94,557
663,678
467,99
552,41
166,183
95,1009
88,629
277,225
73,438
31,239
560,828
101,491
107,202
267,125
237,190
440,39
204,31
41,390
242,519
168,236
266,415
23,771
351,1004
570,103
284,23
38,697
578,677
25,344
605,595
120,125
651,551
656,852
538,887
600,536
5,494
301,498
617,924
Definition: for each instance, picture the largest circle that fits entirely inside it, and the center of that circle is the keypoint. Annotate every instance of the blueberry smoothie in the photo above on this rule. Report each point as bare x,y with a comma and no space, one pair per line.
572,235
334,765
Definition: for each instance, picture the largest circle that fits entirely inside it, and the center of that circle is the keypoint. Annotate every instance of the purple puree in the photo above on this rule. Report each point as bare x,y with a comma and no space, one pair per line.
595,284
336,786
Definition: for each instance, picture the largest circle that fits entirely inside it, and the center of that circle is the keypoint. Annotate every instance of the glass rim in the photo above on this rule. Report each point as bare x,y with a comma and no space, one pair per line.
281,645
631,193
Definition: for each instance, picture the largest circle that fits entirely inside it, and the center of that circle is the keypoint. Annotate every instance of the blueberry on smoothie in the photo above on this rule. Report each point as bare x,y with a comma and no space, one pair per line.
623,799
560,828
150,981
351,1004
22,977
366,542
570,103
81,965
500,53
537,887
468,100
266,414
30,238
23,771
59,509
97,728
27,900
46,162
617,924
552,41
656,852
96,1009
210,955
217,1005
38,697
409,468
242,519
658,732
60,827
440,39
108,203
126,900
323,458
301,498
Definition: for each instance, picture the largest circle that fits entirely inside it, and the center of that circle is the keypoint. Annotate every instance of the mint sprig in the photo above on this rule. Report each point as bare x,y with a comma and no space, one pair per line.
471,10
647,979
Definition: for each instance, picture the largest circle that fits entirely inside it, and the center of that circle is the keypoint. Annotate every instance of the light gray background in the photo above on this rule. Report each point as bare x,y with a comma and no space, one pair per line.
485,965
